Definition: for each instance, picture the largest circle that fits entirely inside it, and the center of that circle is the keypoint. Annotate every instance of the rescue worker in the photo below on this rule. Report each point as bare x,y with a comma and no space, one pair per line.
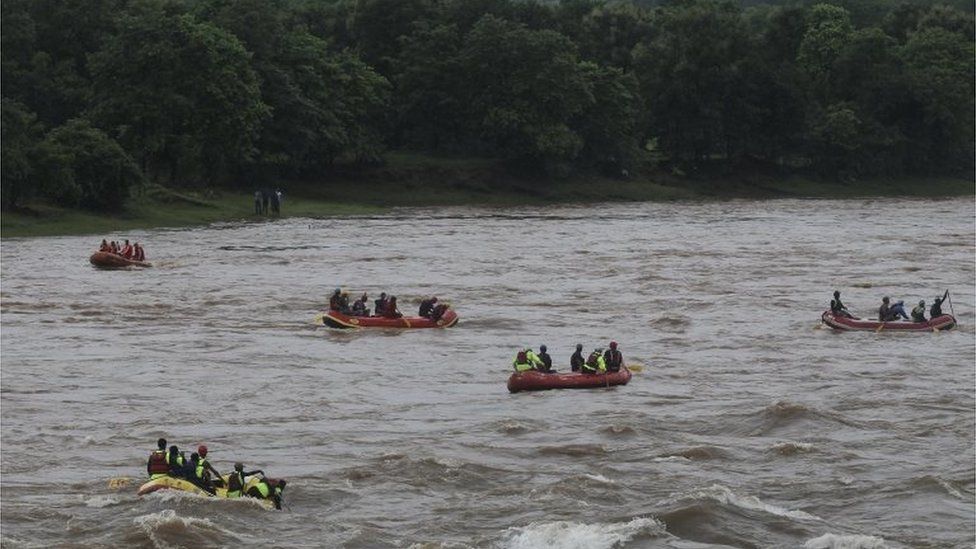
595,363
838,308
104,247
522,362
140,253
126,250
885,313
157,466
344,306
335,301
197,474
613,358
379,306
936,310
427,306
175,461
115,247
268,489
918,313
390,311
359,307
235,480
206,472
438,311
533,358
576,361
545,361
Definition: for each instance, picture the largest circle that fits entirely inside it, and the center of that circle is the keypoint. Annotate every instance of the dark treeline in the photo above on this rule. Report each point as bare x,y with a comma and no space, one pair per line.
102,95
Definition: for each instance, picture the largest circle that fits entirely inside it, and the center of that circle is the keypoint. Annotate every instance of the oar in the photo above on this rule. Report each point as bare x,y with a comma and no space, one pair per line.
953,313
119,482
880,328
635,367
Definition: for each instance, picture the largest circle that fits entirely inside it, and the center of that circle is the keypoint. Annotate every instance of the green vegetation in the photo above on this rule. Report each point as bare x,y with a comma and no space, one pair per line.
410,179
577,99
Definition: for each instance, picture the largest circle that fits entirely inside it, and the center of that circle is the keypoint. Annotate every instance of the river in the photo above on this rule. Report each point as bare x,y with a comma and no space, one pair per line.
749,425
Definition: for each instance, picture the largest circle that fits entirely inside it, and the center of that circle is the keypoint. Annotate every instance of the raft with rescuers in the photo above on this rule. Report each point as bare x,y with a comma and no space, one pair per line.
840,322
184,485
335,319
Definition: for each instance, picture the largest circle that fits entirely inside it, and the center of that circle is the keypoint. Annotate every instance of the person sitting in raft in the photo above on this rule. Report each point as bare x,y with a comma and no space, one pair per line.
157,466
379,306
359,307
114,247
545,361
391,311
887,312
198,475
613,358
126,250
104,247
268,488
235,480
522,362
936,310
595,363
918,313
204,470
140,253
838,308
576,361
439,311
427,306
176,461
335,300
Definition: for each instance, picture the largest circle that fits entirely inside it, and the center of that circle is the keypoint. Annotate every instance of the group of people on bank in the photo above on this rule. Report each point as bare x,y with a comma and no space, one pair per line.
597,362
134,252
197,469
385,306
889,311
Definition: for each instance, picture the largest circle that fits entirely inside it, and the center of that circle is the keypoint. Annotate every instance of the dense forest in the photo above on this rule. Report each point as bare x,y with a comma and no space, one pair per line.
102,95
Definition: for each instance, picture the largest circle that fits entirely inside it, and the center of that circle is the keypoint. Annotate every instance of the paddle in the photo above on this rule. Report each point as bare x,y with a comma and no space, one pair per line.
119,482
949,297
880,328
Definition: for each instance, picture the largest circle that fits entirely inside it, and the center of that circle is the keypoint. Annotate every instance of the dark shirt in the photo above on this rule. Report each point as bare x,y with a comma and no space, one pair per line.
918,313
359,308
614,360
576,361
546,361
836,306
426,306
379,307
885,313
936,310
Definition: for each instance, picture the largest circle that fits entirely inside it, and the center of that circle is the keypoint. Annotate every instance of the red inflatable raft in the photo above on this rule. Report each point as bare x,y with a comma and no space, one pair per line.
108,260
335,319
936,324
538,381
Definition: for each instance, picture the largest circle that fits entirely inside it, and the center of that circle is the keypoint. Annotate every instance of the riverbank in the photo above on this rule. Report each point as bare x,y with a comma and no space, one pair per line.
412,180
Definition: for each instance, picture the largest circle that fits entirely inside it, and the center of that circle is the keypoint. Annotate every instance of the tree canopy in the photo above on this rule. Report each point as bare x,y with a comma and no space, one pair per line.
233,92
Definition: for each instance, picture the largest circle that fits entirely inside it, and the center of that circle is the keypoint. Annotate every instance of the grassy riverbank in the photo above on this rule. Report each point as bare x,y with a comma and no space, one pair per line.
411,180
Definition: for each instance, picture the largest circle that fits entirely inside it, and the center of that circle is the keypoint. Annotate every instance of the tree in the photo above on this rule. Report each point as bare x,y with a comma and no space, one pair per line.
20,133
78,165
522,87
179,94
608,125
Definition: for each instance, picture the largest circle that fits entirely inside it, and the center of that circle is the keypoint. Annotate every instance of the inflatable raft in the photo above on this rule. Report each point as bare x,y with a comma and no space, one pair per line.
936,324
335,319
538,381
108,260
183,485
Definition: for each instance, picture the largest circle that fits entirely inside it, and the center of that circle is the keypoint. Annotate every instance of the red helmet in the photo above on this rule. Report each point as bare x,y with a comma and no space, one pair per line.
202,450
613,344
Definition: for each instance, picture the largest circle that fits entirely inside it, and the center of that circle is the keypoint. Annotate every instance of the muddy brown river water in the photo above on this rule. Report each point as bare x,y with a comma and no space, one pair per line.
748,426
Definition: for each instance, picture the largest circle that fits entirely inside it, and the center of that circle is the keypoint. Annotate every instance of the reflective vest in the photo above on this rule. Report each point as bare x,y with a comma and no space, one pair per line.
235,483
174,464
595,363
533,358
263,488
522,362
201,471
157,464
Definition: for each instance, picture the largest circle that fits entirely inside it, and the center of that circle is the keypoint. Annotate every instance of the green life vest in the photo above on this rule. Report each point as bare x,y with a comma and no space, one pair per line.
235,484
263,488
525,364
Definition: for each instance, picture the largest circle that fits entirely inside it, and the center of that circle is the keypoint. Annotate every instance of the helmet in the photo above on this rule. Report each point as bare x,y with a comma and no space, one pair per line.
885,299
579,346
542,348
836,293
433,299
921,302
337,291
238,466
202,450
613,344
